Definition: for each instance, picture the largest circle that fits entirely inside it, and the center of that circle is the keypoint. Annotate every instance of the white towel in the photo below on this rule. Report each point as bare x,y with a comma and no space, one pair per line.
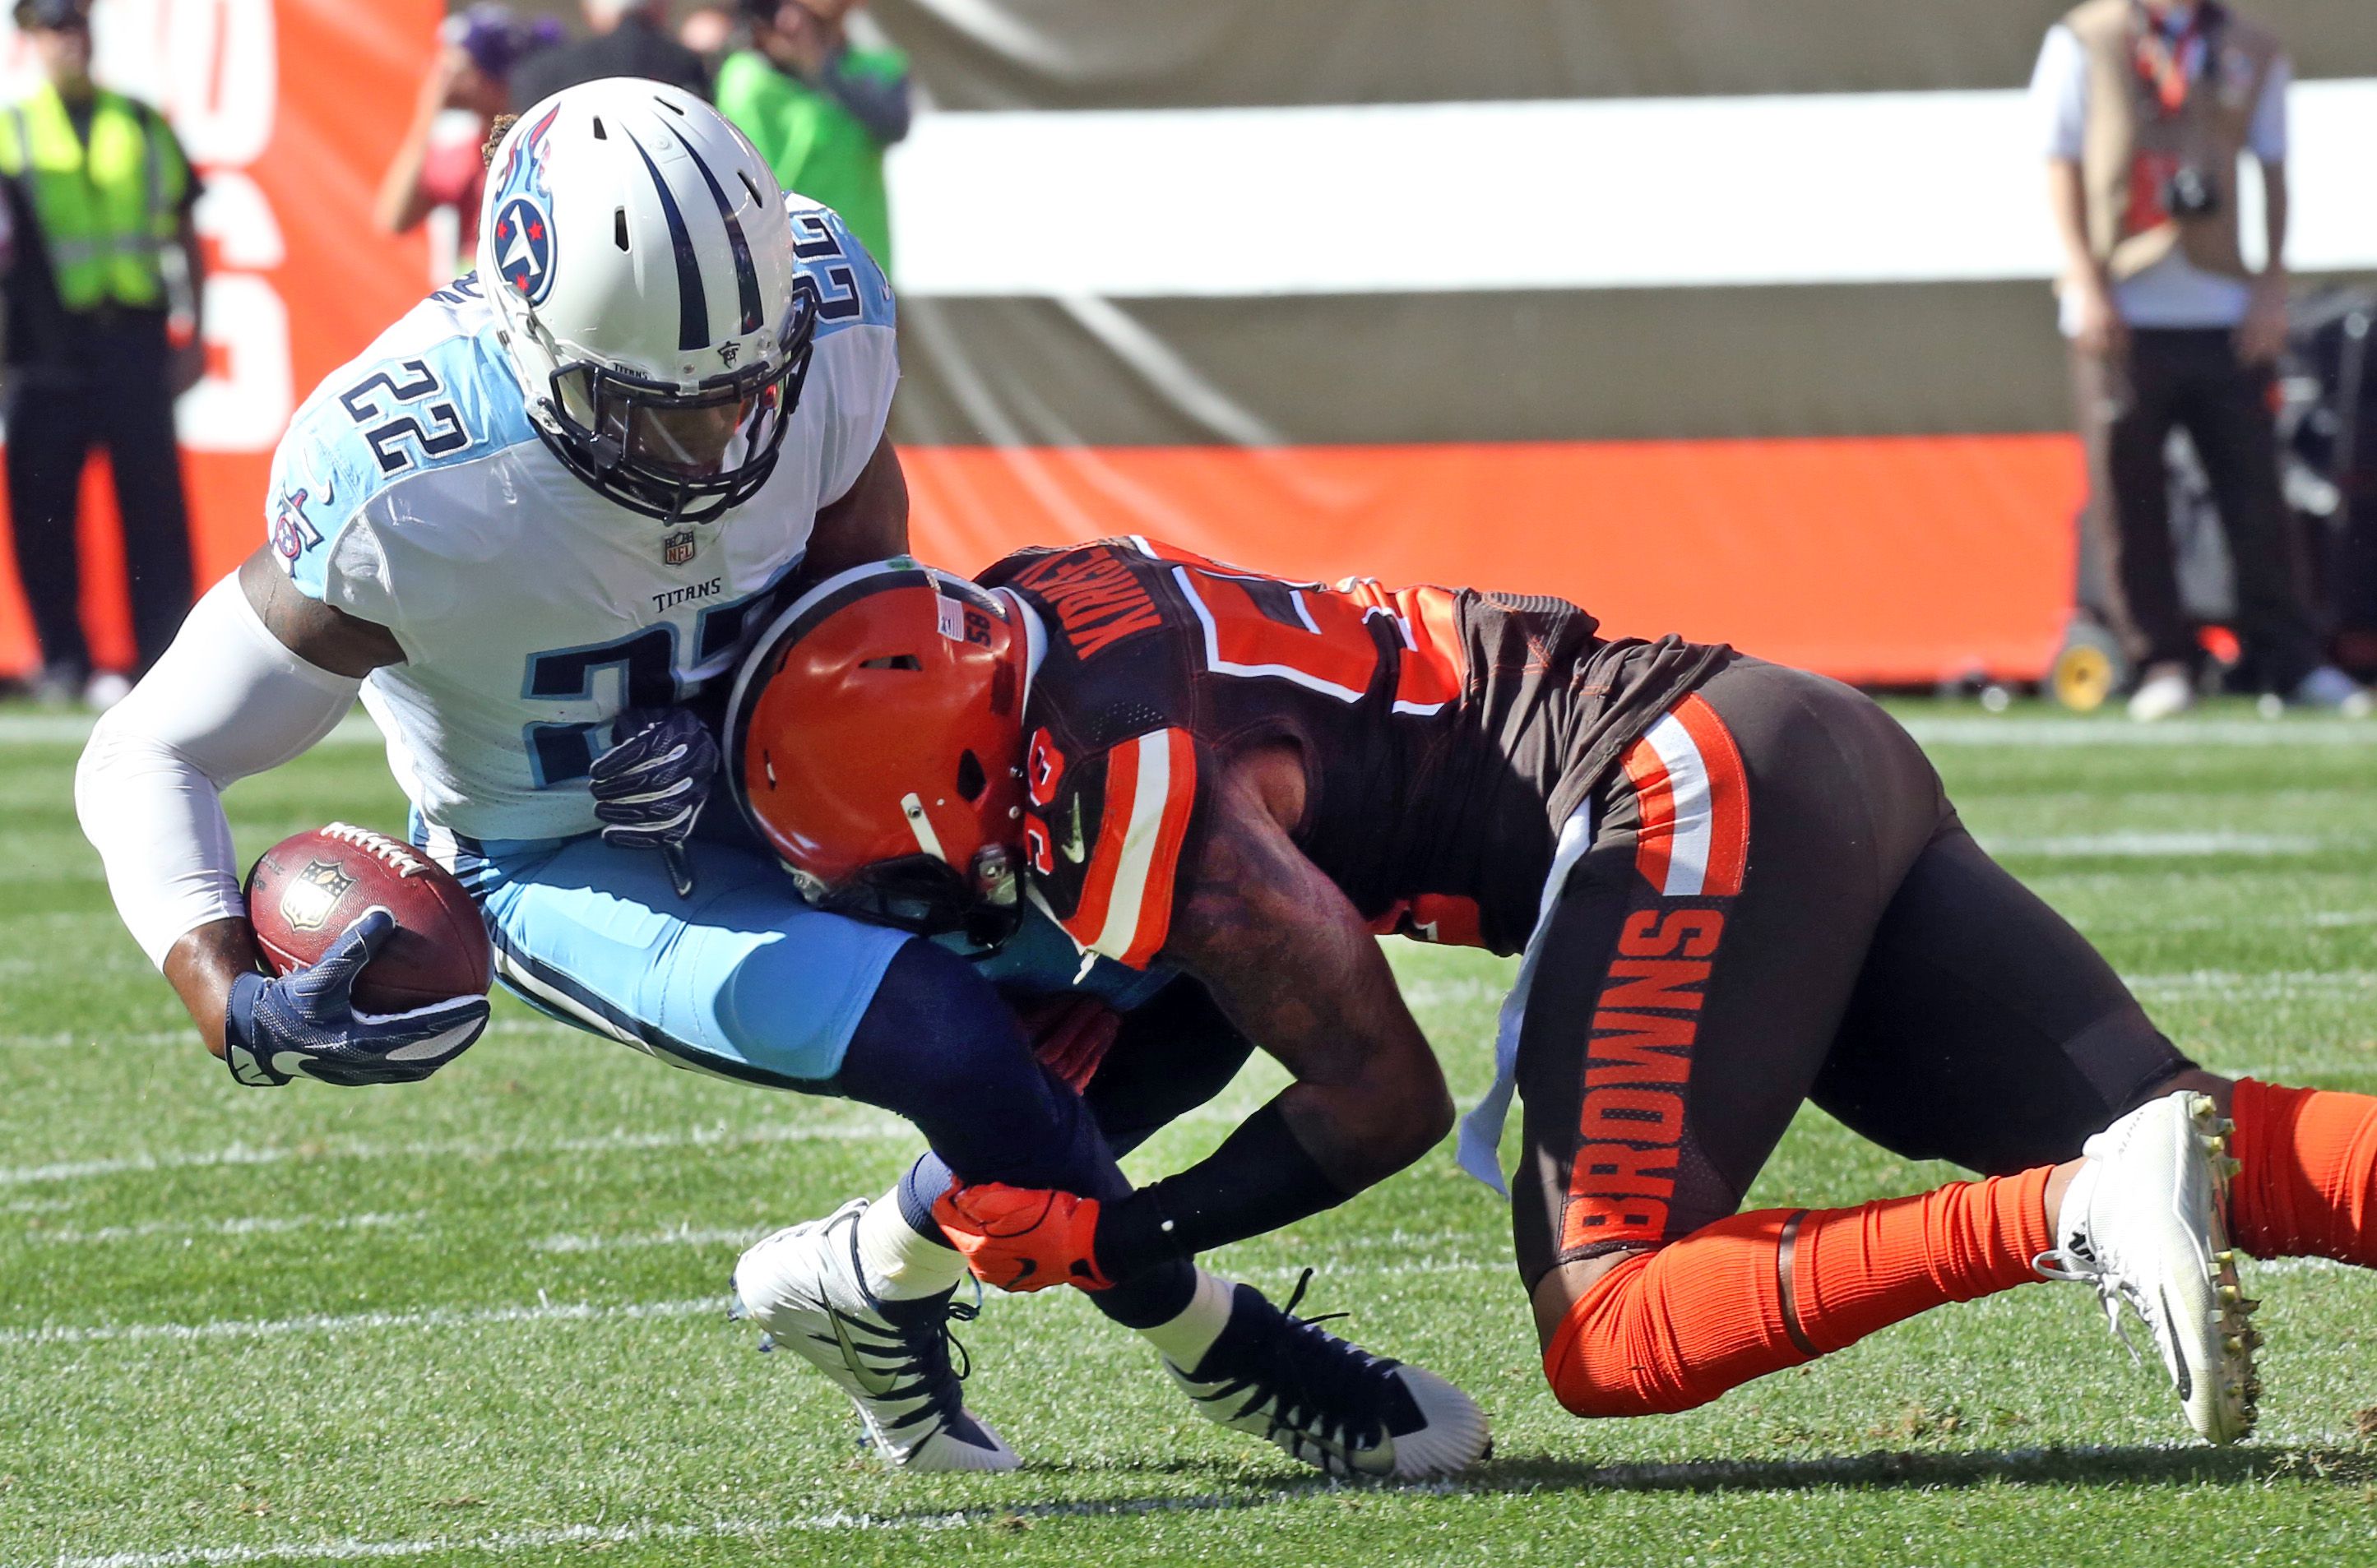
1480,1149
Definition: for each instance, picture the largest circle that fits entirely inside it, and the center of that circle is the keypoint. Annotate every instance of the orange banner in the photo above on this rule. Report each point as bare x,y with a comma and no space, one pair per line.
1887,561
291,110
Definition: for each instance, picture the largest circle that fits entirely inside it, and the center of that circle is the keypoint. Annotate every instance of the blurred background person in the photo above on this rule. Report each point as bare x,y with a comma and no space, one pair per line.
629,39
2146,107
102,293
709,33
440,166
820,111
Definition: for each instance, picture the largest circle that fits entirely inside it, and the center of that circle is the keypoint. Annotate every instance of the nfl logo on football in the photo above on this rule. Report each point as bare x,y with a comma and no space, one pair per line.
313,894
677,549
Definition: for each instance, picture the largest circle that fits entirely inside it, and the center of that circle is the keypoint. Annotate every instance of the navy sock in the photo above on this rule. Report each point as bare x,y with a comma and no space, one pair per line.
919,1185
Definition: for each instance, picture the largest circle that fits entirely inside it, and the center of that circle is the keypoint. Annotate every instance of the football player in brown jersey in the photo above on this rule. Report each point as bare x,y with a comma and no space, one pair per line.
1737,888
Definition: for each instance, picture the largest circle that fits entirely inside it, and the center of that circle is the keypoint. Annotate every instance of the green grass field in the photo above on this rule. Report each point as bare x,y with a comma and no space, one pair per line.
481,1320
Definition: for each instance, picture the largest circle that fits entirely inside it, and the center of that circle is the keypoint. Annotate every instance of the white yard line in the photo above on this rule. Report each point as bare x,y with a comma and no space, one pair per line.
2234,985
866,1130
69,729
250,1225
348,1323
353,1550
674,1236
2254,733
64,1039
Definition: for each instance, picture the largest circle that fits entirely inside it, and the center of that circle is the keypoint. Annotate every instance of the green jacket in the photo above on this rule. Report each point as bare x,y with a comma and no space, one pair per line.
817,147
106,211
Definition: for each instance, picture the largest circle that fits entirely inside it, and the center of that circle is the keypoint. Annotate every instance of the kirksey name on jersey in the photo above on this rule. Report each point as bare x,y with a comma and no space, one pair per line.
1446,734
413,491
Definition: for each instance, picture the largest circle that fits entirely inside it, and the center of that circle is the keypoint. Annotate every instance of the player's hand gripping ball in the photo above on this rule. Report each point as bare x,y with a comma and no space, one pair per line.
380,964
1023,1238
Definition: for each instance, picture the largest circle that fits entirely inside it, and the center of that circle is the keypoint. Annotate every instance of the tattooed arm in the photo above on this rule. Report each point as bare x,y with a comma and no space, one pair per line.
1284,952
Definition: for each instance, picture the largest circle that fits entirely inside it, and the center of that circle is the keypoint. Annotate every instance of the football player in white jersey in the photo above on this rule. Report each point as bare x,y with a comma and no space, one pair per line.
528,526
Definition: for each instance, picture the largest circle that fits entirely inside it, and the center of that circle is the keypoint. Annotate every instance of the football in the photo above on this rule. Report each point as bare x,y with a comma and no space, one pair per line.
308,888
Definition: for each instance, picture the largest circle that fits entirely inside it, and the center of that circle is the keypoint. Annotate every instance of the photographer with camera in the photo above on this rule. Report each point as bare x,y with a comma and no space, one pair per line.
2145,108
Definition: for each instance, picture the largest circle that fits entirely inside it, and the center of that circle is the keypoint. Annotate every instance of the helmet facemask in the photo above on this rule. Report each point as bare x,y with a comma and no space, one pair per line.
927,896
677,454
639,257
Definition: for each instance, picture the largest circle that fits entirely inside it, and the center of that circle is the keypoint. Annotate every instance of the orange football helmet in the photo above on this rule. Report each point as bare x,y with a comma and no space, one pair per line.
874,739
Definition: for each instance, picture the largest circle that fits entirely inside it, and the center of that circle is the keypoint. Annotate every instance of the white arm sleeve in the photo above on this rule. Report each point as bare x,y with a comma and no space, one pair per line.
227,700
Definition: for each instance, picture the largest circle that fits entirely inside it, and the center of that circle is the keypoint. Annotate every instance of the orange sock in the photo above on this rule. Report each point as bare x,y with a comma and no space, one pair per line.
1674,1329
2308,1186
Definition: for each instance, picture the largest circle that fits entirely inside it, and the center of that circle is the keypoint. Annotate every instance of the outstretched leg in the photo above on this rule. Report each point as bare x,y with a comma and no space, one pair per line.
1655,1333
2140,1218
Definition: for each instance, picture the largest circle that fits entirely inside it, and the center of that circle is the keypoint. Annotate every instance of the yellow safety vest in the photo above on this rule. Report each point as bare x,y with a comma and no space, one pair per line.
105,211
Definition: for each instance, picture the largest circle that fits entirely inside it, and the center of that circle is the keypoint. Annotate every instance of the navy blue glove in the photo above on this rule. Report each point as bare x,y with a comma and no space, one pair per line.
649,789
305,1025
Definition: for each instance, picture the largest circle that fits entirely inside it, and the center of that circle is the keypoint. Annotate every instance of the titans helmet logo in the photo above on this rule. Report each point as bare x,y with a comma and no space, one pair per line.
524,249
522,204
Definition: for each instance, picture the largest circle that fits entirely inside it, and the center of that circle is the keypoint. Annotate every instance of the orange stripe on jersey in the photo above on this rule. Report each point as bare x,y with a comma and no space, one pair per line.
1654,836
1088,920
1729,788
1132,876
1154,924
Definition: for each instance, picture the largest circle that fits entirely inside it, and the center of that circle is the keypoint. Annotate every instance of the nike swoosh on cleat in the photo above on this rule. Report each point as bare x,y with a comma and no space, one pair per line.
2186,1380
879,1384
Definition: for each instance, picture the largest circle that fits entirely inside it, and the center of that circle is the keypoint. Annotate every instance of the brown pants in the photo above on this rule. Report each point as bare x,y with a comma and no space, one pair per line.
2192,379
1779,906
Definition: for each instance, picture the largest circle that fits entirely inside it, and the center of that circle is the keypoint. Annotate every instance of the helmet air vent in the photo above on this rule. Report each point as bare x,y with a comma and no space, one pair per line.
894,661
676,109
620,227
600,133
757,200
971,779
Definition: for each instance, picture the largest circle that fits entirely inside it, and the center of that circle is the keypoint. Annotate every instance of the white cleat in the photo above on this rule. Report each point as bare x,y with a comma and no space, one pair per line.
2167,691
805,1286
2151,1230
1328,1403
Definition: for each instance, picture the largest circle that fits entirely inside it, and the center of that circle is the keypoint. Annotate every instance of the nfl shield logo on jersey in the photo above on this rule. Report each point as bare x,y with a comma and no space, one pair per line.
677,549
313,893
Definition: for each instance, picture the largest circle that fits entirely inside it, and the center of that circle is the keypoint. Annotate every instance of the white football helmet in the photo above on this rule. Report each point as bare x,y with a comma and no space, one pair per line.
640,260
